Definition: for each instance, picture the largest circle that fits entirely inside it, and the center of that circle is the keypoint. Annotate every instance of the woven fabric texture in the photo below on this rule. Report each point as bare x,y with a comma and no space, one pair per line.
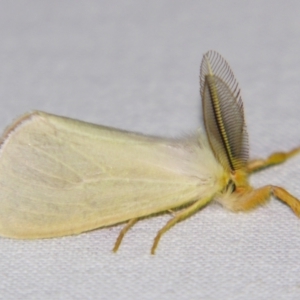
135,65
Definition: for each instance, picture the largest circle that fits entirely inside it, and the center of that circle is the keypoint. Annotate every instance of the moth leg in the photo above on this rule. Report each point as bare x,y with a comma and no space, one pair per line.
172,212
260,196
273,159
123,232
178,218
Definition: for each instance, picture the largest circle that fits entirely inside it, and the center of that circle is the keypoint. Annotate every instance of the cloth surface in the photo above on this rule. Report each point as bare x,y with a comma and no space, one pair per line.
135,65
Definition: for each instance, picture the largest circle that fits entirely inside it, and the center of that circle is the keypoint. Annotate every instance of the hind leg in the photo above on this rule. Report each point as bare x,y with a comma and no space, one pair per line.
123,232
183,214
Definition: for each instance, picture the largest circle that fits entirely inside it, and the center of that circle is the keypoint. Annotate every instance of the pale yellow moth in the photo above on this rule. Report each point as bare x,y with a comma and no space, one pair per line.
60,176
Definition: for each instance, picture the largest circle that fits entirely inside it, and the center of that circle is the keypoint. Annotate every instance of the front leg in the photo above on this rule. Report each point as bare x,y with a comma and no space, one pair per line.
273,159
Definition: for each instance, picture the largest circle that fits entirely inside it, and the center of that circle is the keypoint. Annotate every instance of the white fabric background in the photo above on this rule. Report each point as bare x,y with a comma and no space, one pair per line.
135,65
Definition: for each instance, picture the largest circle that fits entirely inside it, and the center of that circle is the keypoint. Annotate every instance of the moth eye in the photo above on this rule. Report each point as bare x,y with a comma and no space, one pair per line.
230,186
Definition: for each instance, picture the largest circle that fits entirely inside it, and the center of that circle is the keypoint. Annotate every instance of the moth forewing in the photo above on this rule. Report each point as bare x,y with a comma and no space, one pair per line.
60,176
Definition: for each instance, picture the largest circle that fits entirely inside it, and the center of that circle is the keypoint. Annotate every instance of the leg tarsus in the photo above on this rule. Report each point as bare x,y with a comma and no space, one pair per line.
183,214
287,198
123,232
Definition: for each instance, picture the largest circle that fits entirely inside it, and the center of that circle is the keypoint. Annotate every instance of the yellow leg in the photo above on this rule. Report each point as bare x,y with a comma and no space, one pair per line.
179,217
257,197
288,199
273,159
123,232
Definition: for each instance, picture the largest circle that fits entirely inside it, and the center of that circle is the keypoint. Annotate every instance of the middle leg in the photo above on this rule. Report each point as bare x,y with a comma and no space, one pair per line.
249,200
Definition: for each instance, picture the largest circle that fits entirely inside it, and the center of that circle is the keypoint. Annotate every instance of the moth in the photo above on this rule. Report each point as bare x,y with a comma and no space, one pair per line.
60,176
